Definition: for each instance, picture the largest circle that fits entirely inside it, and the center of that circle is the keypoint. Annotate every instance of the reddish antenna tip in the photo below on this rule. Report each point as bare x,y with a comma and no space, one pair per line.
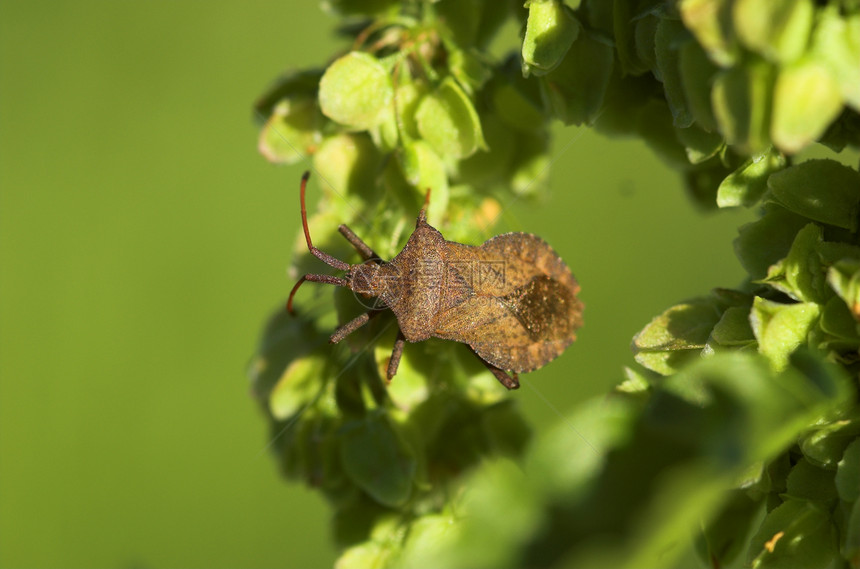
292,294
422,215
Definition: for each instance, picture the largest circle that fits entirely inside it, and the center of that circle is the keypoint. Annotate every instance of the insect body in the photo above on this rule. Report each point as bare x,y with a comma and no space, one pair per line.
512,300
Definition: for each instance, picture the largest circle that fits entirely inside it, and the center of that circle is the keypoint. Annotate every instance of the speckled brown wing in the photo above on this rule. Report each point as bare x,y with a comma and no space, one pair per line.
520,309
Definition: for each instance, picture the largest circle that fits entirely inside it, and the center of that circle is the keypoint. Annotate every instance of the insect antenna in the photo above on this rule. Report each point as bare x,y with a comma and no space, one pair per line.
422,215
321,255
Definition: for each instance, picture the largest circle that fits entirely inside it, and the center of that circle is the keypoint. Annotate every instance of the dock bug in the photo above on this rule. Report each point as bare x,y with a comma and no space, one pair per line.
512,300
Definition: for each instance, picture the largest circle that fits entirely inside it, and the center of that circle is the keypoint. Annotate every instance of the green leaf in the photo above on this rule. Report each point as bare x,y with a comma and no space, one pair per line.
701,181
825,445
764,242
292,132
697,77
851,545
550,31
482,169
469,69
449,122
781,328
796,534
375,457
777,29
677,336
809,482
684,454
601,424
801,274
644,36
837,320
733,328
844,277
298,386
411,388
624,31
654,124
426,536
725,536
424,170
699,144
385,134
296,85
286,339
407,97
746,185
367,554
506,429
356,90
636,382
806,99
670,35
530,168
710,22
835,200
472,23
577,87
741,98
399,119
516,109
503,510
624,101
848,473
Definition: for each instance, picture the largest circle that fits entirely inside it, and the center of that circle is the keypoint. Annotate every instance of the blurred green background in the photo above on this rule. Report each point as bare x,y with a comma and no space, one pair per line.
143,243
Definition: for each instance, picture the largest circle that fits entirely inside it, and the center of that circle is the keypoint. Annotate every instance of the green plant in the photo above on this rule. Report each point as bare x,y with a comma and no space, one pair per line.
740,430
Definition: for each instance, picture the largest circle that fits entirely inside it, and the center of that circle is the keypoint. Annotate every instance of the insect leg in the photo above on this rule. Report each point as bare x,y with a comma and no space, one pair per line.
352,326
326,279
396,354
366,252
510,381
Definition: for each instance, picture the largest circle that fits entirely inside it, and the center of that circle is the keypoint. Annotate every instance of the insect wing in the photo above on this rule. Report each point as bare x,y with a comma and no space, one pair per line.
522,310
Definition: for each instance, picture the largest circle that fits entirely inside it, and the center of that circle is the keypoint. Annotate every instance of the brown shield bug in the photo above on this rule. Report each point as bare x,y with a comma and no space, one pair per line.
512,300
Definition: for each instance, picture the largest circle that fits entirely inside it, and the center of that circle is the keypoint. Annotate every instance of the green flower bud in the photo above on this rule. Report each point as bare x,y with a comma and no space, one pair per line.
776,29
836,43
710,22
670,34
356,90
741,99
807,99
550,31
447,119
